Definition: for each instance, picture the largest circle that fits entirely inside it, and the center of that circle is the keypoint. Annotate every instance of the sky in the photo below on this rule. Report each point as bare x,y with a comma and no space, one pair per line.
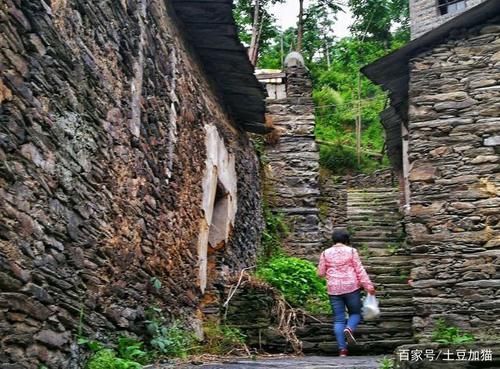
286,15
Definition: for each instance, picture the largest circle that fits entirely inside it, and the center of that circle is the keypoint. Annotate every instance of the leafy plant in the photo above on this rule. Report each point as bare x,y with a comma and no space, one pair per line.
318,305
108,359
295,278
221,339
156,283
259,146
132,349
92,345
275,230
173,340
386,363
448,334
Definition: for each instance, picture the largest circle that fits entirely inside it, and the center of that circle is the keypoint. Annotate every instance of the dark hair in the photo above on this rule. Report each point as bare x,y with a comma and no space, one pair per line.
340,235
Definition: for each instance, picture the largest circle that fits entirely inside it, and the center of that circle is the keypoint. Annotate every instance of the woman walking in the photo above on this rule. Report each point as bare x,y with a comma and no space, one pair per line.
345,275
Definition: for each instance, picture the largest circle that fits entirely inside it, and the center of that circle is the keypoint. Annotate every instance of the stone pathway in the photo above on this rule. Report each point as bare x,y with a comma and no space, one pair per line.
307,362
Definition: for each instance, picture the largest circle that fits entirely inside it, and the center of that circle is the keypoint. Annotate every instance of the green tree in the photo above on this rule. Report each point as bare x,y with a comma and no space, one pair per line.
377,18
256,26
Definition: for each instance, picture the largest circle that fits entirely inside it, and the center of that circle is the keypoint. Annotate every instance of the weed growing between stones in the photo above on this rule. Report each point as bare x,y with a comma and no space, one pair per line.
393,248
129,354
364,251
386,363
274,232
222,339
171,341
259,146
444,333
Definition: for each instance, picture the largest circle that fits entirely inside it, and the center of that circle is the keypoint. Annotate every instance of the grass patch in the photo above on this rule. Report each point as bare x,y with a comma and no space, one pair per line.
222,339
444,333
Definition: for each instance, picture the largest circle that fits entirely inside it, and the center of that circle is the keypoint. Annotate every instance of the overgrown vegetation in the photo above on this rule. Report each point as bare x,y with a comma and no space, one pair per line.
341,93
222,339
443,333
129,354
163,341
274,232
168,340
297,280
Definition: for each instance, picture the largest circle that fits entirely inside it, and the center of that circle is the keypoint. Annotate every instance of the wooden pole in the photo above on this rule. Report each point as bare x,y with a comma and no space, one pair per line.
282,52
358,122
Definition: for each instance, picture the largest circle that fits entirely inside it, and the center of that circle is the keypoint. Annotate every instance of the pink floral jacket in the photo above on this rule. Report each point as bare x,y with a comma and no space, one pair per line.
342,267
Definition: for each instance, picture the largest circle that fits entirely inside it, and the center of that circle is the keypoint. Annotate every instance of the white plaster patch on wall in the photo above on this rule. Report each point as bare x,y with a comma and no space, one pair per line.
219,201
172,134
136,83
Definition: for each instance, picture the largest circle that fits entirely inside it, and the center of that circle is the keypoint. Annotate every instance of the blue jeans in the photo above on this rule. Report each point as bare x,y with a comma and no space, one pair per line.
352,301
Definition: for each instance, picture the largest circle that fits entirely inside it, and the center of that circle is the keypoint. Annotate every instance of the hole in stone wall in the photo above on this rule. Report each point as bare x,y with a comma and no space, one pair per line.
220,227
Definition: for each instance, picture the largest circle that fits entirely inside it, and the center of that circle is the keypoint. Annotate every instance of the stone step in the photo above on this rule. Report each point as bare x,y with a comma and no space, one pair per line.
358,239
371,346
384,279
380,252
374,190
392,261
371,232
362,333
386,270
377,203
373,221
377,244
384,293
373,202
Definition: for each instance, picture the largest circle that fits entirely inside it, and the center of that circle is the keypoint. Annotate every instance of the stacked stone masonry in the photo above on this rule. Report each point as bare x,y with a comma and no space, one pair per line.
453,223
103,111
332,202
292,182
425,15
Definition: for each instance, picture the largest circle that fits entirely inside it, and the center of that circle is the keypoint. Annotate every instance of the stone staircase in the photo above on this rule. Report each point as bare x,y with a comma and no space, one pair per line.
376,231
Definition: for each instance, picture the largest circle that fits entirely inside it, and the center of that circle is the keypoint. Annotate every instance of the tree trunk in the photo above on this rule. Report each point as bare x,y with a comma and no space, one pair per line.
255,55
255,30
300,26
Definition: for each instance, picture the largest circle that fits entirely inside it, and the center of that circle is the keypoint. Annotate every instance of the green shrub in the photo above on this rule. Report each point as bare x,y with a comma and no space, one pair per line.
338,159
341,159
173,340
107,359
447,334
295,278
221,339
132,349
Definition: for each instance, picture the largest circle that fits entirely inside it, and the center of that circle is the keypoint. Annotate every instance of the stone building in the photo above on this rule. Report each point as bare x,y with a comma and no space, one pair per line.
443,130
426,15
127,177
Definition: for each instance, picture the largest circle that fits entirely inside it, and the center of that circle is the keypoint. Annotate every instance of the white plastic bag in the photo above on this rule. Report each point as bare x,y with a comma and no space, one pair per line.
370,308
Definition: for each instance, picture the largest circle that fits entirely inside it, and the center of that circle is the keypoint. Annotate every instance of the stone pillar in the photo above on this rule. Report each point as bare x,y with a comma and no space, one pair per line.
292,182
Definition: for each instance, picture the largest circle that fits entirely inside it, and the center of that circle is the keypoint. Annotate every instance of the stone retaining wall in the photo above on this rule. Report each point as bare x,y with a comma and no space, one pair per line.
102,153
453,224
